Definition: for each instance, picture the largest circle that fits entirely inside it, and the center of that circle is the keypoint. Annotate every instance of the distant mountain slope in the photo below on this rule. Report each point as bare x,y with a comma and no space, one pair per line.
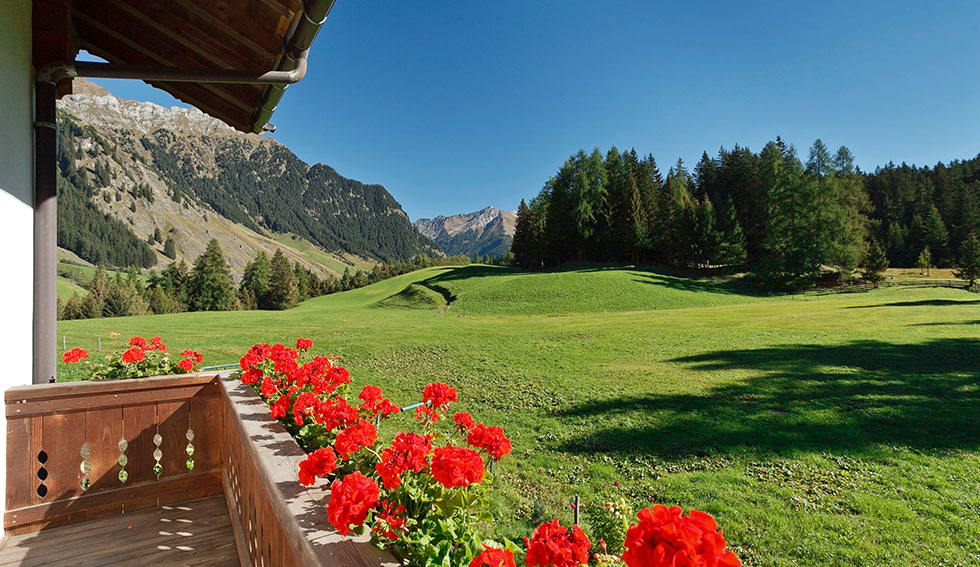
488,232
190,177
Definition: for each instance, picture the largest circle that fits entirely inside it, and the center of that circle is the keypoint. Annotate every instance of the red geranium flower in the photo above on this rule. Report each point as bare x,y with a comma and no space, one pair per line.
255,355
281,407
350,501
388,521
156,343
187,364
251,376
350,440
73,355
552,545
336,412
134,354
138,342
493,557
269,387
463,421
491,438
303,344
198,357
438,395
407,452
306,405
457,466
318,463
375,402
666,537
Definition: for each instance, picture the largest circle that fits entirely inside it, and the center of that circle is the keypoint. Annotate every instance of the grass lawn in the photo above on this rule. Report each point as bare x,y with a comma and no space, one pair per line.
839,429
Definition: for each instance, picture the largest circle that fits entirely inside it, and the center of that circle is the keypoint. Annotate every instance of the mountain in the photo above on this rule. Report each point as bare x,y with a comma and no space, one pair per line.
136,174
488,232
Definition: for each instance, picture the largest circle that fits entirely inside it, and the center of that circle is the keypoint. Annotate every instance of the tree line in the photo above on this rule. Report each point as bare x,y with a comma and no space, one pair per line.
787,219
267,283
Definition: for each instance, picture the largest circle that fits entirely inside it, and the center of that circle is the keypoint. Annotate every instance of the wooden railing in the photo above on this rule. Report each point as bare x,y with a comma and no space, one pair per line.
85,450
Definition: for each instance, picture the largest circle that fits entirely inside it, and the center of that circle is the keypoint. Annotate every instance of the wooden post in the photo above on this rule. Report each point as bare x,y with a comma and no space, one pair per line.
575,509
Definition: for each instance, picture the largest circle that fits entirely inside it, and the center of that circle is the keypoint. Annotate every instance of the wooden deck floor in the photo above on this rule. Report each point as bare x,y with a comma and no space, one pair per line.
187,534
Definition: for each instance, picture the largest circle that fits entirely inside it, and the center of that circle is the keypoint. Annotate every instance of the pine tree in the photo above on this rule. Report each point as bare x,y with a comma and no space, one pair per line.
934,233
522,243
302,283
157,235
875,263
170,248
175,280
282,292
969,261
255,279
210,287
731,241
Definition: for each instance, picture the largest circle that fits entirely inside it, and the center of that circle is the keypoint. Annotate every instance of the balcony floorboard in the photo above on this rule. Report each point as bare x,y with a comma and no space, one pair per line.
187,534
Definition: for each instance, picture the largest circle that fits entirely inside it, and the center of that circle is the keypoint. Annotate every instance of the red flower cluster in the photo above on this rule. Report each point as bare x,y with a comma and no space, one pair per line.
350,501
408,452
281,407
437,397
464,421
134,354
318,463
336,412
306,405
198,357
350,440
138,342
491,438
665,537
156,343
374,402
552,545
493,557
186,365
457,466
303,344
73,355
389,521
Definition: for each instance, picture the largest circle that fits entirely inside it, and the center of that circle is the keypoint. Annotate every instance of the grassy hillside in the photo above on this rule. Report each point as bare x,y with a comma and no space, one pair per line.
515,292
67,288
831,430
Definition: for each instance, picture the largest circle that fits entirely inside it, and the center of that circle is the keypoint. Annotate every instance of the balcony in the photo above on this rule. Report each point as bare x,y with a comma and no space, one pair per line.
174,470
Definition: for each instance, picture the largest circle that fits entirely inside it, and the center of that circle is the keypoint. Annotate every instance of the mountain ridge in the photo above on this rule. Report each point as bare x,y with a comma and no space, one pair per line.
487,232
191,177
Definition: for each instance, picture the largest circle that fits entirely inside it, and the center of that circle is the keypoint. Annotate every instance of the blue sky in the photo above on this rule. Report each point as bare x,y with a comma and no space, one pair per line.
457,105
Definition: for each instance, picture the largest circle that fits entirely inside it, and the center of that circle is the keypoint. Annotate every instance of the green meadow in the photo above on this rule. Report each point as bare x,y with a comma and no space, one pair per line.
836,429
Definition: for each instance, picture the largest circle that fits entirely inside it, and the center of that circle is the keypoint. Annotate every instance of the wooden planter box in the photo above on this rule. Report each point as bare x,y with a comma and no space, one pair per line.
238,450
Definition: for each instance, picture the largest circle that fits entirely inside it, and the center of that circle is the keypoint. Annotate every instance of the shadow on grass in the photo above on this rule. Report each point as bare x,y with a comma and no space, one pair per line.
919,303
809,398
945,323
684,283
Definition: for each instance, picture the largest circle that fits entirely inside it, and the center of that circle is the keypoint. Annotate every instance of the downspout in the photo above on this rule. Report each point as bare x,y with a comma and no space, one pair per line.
45,233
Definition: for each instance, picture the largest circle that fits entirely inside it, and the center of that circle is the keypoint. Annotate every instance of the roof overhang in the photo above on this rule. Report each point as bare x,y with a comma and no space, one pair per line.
230,58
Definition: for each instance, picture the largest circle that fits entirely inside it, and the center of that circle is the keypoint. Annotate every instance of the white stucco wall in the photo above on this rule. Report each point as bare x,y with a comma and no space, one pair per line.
16,214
